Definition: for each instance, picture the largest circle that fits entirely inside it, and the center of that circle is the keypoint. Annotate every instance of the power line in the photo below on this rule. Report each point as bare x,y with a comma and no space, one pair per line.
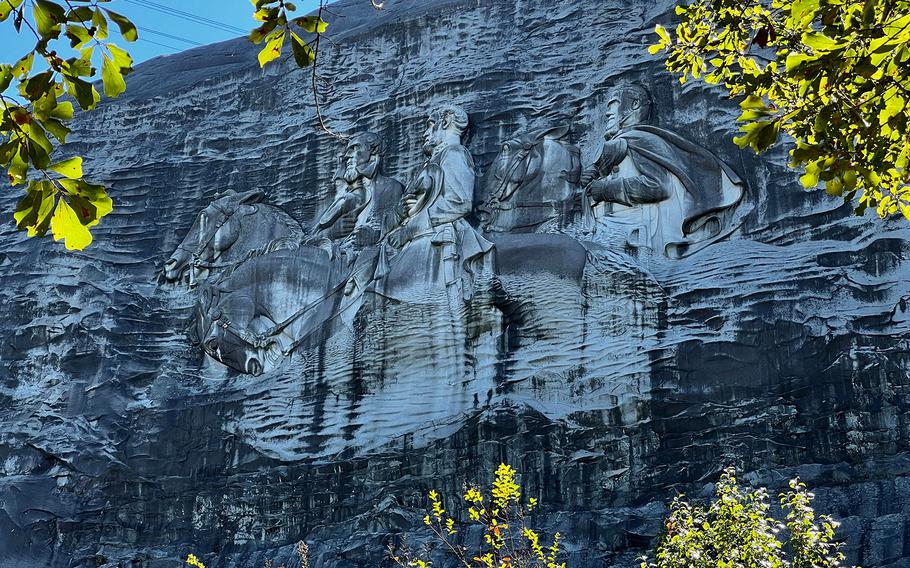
193,17
170,36
171,47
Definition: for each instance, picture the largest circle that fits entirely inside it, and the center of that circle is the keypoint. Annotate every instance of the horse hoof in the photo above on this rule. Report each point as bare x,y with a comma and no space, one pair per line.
254,367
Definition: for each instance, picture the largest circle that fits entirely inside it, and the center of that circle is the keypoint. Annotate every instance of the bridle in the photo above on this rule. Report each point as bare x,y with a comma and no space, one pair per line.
196,255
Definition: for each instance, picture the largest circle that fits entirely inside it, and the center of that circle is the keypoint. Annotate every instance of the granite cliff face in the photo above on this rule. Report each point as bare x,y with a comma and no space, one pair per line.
781,348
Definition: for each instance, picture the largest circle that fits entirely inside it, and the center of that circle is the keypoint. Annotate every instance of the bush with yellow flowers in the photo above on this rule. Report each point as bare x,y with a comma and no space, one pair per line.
507,540
737,529
303,552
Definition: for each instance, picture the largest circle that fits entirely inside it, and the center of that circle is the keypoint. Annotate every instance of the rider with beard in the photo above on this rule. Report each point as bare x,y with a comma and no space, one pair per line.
435,247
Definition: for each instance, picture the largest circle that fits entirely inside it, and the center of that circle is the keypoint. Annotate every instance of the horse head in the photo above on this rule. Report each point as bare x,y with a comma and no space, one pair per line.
533,171
215,230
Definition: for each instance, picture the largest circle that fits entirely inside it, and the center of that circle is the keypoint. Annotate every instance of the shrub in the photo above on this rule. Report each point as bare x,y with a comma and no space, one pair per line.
737,530
508,542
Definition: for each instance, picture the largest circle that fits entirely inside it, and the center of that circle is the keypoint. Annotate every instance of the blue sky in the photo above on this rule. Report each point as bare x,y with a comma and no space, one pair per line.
160,25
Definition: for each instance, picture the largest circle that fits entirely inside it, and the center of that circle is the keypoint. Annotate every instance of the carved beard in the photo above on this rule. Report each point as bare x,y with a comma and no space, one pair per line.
352,173
432,143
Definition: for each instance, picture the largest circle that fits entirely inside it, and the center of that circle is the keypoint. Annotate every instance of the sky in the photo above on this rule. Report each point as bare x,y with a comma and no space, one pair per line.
165,26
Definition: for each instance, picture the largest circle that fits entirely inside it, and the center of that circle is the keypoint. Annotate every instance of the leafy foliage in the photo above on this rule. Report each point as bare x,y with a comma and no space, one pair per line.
508,541
832,74
35,121
736,529
57,198
277,26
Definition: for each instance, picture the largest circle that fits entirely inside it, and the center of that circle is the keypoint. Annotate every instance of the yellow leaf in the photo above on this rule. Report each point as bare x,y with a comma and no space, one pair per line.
112,77
66,225
71,168
272,49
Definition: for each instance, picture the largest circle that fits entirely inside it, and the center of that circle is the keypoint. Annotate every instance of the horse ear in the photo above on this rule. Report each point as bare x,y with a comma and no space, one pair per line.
249,197
556,133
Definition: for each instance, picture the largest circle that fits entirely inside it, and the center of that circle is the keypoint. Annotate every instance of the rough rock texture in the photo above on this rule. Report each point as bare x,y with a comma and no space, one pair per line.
782,350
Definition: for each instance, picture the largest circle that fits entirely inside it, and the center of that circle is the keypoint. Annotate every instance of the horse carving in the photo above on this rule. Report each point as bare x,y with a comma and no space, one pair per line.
533,180
231,229
269,306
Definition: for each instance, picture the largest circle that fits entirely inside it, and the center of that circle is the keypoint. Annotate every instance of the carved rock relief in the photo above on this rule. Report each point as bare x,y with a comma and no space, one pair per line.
526,256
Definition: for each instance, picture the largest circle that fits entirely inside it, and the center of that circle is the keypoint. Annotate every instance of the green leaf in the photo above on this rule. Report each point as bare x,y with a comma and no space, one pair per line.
57,128
7,7
663,33
83,91
46,104
834,187
810,178
66,225
6,76
127,28
111,77
77,35
63,111
753,108
753,102
257,35
303,53
121,58
797,60
18,168
311,24
7,150
266,14
272,49
81,66
48,17
80,14
821,42
22,67
89,196
33,211
802,10
39,147
100,24
758,135
893,107
37,86
71,167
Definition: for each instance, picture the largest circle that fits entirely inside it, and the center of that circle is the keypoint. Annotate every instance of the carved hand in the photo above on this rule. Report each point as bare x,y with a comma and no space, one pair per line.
397,238
587,176
365,236
342,227
602,190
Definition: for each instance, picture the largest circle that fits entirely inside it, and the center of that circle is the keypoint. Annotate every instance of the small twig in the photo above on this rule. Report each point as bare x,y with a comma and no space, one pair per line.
314,79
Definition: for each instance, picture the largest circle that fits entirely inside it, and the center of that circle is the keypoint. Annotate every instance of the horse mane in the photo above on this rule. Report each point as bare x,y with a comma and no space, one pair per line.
284,243
282,215
291,242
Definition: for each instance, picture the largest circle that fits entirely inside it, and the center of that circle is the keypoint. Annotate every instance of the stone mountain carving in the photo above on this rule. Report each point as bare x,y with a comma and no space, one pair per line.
227,232
533,180
543,216
655,190
281,294
611,375
437,249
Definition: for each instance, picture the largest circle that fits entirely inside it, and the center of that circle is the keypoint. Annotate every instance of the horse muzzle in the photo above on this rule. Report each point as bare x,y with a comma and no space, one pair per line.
175,269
